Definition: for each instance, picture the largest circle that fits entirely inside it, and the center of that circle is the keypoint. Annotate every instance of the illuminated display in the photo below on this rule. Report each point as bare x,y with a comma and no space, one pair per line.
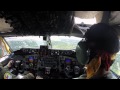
31,59
67,60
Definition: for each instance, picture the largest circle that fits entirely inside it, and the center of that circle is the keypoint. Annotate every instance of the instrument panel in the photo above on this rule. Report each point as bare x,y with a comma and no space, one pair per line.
49,62
44,51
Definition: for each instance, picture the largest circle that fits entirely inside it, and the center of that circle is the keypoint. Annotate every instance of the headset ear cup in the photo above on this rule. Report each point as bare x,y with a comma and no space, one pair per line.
81,53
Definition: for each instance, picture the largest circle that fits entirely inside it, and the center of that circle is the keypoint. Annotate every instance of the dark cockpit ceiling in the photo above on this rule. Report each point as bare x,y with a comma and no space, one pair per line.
52,22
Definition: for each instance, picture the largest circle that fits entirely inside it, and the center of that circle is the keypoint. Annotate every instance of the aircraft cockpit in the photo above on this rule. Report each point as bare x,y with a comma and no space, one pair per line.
44,42
55,60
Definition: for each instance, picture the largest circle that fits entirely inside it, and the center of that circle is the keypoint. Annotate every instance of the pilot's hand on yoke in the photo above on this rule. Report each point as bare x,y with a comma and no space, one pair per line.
38,77
9,65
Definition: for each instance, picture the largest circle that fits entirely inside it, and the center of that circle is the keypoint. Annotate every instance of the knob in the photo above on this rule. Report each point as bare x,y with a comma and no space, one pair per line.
76,70
17,63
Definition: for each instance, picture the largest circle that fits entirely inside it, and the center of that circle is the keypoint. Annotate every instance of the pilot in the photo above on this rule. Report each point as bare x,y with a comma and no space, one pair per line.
5,73
97,51
4,69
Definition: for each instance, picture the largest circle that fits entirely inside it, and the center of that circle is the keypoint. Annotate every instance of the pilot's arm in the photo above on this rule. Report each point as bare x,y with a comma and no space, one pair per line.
5,70
38,77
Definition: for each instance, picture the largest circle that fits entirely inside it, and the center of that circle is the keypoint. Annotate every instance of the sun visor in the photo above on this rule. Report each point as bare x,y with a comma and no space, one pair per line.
114,21
5,27
114,18
90,15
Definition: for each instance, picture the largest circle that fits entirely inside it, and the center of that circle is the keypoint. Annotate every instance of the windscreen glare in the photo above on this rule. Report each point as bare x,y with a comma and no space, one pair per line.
64,42
17,43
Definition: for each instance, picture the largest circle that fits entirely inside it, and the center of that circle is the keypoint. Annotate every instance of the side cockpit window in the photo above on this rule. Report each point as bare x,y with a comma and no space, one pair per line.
3,51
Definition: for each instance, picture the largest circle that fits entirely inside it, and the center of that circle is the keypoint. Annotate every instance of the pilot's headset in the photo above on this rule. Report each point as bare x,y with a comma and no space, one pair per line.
82,52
